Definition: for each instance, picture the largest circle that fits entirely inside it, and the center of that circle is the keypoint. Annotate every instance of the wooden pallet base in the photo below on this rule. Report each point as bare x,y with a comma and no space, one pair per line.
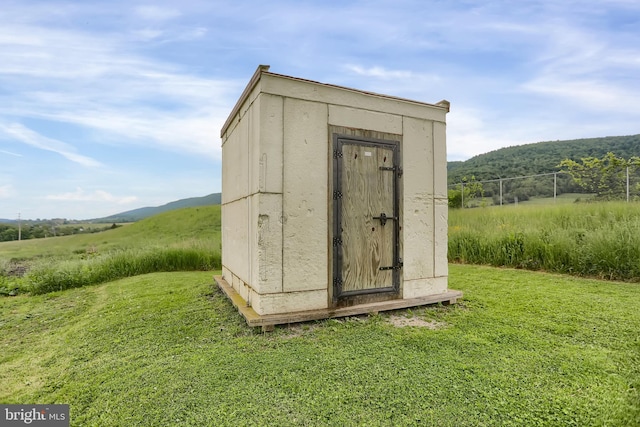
268,321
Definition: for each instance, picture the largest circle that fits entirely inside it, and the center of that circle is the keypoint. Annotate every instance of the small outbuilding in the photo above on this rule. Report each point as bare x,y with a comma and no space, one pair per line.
334,202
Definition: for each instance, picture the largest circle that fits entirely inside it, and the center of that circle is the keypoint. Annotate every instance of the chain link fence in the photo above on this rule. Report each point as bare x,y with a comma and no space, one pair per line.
512,190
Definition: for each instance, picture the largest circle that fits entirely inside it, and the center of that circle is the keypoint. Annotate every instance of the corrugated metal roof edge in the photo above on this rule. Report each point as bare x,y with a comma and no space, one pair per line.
264,69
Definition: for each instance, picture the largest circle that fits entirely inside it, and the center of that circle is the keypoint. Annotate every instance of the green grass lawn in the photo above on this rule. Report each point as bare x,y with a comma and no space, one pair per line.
521,349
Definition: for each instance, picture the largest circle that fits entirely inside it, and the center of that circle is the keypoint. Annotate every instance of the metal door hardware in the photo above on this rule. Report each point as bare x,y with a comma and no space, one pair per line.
383,218
398,266
392,168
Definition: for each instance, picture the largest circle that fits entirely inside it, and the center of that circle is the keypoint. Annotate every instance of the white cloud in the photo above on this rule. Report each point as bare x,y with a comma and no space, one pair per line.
6,191
147,34
81,195
420,86
10,153
589,94
586,67
469,134
29,137
155,13
73,77
379,72
196,132
164,35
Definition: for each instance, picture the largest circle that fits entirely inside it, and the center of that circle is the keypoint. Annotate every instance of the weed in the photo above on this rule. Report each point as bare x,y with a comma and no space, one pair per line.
595,239
57,276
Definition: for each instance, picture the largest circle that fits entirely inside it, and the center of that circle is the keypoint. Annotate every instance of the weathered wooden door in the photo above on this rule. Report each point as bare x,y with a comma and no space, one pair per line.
366,257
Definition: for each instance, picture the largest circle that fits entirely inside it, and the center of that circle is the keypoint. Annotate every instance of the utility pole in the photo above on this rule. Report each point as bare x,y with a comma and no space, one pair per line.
19,228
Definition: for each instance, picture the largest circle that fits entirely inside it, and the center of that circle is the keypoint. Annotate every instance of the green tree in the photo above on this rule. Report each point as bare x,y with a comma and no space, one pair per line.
455,198
606,177
466,193
9,234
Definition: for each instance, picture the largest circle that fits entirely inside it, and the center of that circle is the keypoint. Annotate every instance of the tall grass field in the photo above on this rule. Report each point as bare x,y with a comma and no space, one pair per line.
181,240
599,240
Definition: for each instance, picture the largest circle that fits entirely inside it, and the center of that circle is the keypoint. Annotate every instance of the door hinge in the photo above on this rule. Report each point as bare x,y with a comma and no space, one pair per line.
337,154
337,241
337,195
337,281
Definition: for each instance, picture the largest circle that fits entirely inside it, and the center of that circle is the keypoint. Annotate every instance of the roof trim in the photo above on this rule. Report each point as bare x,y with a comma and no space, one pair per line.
245,94
264,69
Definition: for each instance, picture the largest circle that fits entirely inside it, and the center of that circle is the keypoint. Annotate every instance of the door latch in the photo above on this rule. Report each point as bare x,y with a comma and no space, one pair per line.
398,266
383,218
396,169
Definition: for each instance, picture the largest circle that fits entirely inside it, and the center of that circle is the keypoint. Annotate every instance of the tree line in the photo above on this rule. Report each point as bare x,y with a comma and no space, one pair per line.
607,178
541,157
10,232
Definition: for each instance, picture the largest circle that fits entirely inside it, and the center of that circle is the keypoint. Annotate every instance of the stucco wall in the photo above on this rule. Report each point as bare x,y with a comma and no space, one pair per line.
305,256
276,207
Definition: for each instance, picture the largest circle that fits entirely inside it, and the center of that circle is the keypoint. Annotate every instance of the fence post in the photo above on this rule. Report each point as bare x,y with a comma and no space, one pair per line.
555,186
500,191
462,194
627,184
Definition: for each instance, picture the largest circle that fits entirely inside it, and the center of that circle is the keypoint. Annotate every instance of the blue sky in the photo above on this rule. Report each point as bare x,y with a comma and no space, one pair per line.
107,106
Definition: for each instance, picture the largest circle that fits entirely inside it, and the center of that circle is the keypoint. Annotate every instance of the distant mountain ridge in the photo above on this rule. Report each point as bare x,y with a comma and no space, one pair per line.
539,157
141,213
521,160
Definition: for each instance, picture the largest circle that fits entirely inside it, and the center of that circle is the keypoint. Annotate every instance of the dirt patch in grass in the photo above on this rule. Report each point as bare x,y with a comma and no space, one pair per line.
403,322
294,330
15,268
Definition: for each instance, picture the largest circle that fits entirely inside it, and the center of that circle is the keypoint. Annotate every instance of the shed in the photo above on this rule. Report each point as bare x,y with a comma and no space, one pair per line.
334,202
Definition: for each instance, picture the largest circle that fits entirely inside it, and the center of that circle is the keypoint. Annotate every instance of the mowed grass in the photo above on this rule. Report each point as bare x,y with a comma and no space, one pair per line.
586,239
521,349
181,240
